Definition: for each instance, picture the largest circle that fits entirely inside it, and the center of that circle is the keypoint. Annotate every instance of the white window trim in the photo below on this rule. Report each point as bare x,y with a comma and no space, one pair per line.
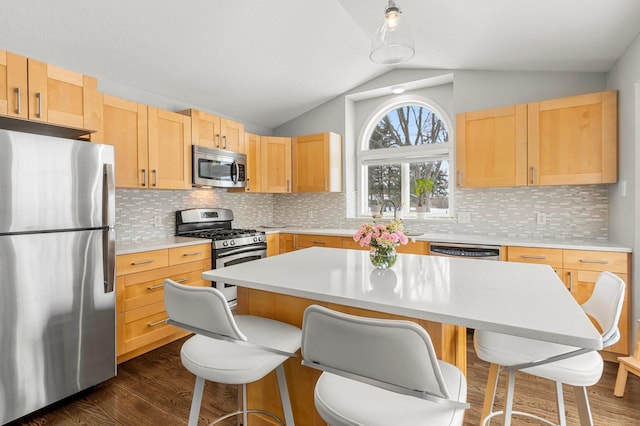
366,157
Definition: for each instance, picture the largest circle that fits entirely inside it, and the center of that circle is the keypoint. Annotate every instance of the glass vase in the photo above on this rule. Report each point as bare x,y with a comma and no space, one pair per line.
383,257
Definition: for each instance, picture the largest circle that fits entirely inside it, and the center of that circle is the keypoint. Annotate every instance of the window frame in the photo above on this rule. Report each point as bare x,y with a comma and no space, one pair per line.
430,152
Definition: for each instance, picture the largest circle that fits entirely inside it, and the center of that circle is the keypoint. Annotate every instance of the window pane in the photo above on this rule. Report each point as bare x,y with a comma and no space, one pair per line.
429,186
385,183
408,126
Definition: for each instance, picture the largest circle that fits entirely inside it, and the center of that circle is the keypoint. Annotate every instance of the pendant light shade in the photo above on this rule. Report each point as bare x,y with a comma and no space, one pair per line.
393,42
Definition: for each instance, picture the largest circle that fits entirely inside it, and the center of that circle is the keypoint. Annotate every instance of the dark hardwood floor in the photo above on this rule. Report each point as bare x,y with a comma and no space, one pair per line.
154,389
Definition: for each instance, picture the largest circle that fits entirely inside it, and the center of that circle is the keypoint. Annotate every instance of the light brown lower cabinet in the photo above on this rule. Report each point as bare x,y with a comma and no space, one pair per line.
140,316
578,270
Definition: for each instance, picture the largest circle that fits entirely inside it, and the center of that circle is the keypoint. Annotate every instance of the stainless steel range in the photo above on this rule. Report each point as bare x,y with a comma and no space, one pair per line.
230,246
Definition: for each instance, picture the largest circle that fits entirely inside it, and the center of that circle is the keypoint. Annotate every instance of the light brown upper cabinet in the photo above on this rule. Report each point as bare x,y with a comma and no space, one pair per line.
568,141
275,154
317,163
573,140
232,135
214,132
205,128
491,147
169,149
125,127
36,91
152,145
252,149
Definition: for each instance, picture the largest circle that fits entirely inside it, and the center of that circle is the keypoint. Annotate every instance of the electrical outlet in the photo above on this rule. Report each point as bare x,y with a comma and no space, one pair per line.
541,218
259,214
157,221
310,214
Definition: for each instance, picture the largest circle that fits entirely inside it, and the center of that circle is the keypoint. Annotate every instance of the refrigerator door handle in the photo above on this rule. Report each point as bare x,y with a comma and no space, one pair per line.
109,233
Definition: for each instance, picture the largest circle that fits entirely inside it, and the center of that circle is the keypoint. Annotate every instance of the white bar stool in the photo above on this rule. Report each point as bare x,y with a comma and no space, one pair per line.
379,372
227,349
562,364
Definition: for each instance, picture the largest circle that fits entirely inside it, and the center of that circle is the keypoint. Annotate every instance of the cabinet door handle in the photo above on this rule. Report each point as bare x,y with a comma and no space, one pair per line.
19,100
224,142
288,186
144,177
570,281
530,256
143,262
39,111
599,262
533,175
193,253
155,177
153,324
248,185
326,184
217,140
460,178
153,287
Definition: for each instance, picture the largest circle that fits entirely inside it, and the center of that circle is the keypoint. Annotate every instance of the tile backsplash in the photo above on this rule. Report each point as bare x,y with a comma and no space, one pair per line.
573,213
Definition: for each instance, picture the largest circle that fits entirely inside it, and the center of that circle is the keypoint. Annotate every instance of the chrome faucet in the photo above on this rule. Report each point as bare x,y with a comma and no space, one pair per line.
384,203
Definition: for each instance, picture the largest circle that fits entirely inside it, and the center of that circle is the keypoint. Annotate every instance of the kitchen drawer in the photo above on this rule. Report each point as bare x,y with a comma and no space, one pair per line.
544,256
188,254
308,240
418,247
145,287
149,292
146,325
595,260
142,261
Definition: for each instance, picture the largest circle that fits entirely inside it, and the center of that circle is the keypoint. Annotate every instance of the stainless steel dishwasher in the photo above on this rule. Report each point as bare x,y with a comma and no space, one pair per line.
471,251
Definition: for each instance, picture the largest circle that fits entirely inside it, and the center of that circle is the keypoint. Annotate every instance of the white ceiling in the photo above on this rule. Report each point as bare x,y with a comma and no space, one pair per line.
268,61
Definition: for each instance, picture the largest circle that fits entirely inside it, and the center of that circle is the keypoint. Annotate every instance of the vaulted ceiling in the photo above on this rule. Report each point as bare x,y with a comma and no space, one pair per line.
266,62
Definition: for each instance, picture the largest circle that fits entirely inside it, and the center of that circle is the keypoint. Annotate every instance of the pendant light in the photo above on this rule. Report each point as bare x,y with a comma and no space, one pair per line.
393,42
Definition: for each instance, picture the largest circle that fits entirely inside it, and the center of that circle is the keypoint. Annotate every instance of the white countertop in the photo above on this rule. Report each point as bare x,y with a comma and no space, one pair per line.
158,244
508,297
600,245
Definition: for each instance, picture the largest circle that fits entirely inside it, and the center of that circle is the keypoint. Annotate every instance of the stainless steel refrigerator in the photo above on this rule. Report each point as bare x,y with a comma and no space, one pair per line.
57,267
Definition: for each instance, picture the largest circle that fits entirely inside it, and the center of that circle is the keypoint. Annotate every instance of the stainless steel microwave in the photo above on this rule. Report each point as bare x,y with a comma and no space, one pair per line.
218,168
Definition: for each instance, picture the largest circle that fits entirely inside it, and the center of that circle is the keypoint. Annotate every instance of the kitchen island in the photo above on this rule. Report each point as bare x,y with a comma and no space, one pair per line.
444,295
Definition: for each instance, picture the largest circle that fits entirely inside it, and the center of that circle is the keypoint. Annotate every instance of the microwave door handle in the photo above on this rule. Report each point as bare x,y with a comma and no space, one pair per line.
236,175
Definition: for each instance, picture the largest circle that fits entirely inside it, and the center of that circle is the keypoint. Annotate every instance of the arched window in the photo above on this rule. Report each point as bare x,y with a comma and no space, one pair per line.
405,151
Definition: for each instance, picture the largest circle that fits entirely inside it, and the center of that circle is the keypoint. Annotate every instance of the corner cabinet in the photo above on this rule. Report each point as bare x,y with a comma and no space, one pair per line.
39,92
141,321
275,164
252,147
152,145
317,163
567,141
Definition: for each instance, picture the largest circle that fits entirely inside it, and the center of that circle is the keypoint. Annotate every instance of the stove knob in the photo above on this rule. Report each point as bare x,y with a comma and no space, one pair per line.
225,243
233,243
261,237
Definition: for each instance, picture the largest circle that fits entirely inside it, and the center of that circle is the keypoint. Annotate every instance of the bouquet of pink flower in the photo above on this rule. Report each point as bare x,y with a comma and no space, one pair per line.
381,236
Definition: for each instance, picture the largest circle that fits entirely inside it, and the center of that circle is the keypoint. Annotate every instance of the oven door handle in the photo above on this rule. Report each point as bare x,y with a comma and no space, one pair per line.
241,250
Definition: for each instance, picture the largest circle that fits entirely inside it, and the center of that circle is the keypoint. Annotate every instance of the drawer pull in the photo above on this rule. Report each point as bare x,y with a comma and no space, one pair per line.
143,262
600,262
193,253
319,242
530,256
153,324
182,280
153,287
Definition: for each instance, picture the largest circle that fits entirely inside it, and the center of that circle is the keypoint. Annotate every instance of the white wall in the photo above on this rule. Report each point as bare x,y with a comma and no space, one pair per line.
624,210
